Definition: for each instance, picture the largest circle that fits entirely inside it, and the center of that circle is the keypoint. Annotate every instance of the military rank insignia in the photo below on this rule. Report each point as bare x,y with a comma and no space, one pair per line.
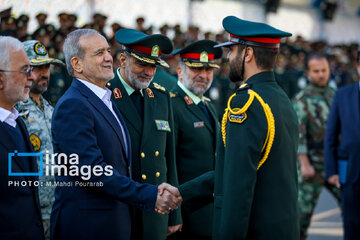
158,86
172,95
188,100
239,118
149,93
198,124
40,49
35,141
117,93
162,125
24,113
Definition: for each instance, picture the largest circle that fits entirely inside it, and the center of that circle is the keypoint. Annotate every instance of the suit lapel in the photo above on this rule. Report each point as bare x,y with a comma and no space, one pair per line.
355,100
125,105
101,108
194,109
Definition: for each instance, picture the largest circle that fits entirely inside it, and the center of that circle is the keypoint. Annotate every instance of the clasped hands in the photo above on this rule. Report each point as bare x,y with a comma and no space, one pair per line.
168,198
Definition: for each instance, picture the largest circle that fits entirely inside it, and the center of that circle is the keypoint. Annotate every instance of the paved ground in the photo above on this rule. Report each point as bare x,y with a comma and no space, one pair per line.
326,223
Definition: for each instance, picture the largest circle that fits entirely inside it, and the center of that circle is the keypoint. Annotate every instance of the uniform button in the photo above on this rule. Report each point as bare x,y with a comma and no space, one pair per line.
157,174
142,155
109,84
156,153
143,177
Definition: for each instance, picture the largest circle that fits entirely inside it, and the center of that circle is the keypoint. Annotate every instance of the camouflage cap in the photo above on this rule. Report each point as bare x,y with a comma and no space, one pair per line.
38,55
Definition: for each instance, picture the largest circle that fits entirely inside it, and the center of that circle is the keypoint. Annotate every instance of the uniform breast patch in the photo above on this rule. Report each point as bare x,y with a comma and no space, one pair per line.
35,141
198,124
239,118
162,125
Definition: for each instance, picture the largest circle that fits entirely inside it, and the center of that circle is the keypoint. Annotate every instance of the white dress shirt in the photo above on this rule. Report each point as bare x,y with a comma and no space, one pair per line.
9,117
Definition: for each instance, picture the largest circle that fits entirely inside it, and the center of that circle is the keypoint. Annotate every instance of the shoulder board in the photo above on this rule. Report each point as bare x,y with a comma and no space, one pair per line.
243,86
108,85
207,99
158,86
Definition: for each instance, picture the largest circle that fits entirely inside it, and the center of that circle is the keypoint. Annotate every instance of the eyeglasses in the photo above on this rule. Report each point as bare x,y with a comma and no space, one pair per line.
27,71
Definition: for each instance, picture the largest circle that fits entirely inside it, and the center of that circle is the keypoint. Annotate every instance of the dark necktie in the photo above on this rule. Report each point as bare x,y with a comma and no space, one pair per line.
138,102
205,111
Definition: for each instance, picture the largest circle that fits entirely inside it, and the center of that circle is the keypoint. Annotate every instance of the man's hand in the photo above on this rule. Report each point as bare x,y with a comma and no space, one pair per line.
168,199
173,190
174,229
307,170
334,180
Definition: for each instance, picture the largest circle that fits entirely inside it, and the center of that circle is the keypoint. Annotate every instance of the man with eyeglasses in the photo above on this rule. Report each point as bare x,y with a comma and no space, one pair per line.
19,201
36,112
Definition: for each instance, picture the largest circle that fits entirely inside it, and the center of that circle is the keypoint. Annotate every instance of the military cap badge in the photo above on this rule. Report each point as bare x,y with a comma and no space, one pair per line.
40,49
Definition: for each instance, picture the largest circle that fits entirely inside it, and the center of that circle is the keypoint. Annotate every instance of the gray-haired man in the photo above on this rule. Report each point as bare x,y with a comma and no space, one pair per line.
36,113
19,204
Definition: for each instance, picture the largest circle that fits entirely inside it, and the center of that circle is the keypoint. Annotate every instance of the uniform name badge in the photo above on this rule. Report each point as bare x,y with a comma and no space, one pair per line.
198,124
162,125
237,118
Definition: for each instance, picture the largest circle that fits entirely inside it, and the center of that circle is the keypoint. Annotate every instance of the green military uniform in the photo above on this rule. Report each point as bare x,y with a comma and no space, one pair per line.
152,140
312,106
196,129
37,118
38,123
195,154
255,173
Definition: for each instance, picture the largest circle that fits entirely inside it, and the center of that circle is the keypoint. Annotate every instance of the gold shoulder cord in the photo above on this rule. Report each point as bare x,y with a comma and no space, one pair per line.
269,117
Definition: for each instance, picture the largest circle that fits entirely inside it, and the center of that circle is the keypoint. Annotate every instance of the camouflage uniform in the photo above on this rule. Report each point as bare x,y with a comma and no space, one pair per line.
312,106
38,123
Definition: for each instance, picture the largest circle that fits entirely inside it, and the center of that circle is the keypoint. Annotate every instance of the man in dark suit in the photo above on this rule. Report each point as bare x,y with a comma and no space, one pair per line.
19,204
255,174
342,155
196,128
86,122
148,115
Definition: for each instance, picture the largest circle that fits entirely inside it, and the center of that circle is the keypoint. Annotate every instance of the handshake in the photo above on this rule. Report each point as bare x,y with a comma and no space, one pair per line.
168,199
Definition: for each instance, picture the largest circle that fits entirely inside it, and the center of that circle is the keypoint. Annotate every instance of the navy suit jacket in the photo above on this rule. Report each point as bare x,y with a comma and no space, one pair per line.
20,216
84,125
344,123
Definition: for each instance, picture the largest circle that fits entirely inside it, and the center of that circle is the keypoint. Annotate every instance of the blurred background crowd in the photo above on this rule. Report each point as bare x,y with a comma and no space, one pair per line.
290,67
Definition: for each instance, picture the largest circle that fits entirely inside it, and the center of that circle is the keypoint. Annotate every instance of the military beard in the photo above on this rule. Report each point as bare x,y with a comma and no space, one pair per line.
235,70
39,89
190,84
133,78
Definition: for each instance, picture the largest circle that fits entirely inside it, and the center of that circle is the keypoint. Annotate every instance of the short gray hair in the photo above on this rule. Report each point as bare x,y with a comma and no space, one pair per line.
72,48
8,44
182,65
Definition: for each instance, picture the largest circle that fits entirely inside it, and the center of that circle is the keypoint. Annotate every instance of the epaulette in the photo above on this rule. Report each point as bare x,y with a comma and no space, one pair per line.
207,99
108,85
243,86
158,86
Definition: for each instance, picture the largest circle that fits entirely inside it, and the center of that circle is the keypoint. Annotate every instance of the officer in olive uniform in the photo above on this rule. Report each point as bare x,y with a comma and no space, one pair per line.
255,174
196,128
37,113
148,113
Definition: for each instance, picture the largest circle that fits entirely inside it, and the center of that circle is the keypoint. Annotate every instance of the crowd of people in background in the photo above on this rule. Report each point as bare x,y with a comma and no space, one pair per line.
290,66
296,71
